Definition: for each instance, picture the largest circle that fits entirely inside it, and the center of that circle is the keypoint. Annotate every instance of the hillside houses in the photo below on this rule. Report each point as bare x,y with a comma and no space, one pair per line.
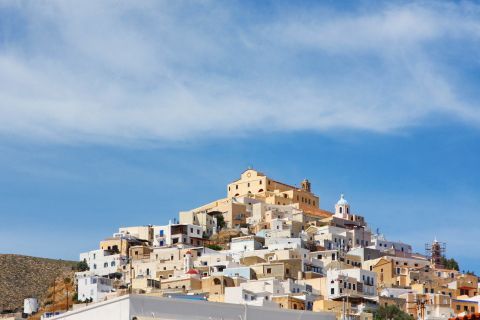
288,254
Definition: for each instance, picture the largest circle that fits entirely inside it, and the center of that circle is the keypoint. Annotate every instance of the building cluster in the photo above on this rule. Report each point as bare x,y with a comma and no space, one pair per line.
269,244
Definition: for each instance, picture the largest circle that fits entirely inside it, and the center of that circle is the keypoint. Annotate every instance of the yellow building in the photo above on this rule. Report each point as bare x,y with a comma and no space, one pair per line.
215,286
464,306
255,184
120,245
289,302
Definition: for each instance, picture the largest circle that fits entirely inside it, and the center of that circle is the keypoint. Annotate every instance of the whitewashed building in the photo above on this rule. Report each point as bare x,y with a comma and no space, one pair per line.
93,287
103,262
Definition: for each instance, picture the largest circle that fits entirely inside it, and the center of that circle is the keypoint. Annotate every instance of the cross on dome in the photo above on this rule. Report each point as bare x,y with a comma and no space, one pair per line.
342,200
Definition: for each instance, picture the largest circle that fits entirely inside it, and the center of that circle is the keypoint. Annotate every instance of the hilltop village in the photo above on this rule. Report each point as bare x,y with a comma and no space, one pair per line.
269,244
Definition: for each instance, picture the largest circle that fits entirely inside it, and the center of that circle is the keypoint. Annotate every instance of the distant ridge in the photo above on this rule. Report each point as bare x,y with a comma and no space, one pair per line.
25,276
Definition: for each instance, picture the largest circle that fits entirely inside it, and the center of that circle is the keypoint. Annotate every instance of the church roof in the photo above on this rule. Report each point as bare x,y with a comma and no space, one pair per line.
342,201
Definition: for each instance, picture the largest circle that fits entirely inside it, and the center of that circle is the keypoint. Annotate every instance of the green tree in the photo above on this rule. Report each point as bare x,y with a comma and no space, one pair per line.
390,313
220,222
451,264
214,247
82,266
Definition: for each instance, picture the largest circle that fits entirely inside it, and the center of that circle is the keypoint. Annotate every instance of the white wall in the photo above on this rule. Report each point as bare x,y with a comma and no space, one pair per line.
94,287
141,306
101,262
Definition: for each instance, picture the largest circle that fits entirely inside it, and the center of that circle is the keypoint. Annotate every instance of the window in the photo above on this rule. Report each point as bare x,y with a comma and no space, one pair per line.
236,187
112,264
269,270
260,182
340,209
332,291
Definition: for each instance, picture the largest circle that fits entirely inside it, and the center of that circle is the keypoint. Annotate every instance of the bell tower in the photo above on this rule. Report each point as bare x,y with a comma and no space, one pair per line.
342,208
306,185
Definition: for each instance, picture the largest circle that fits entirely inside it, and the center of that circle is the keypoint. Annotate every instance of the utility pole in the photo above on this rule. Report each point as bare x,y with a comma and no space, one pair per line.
131,276
53,300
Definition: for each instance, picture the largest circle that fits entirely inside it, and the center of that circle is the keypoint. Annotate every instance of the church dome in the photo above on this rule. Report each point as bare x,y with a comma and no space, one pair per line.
342,201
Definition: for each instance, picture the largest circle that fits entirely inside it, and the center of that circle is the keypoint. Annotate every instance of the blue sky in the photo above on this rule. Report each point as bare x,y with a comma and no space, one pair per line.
115,114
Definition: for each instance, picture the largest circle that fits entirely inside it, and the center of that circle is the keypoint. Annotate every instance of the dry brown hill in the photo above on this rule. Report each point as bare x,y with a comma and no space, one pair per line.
24,276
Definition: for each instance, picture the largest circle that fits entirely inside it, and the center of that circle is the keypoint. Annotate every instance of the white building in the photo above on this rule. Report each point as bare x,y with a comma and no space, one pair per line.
30,305
93,287
255,292
283,243
172,234
394,292
103,262
142,307
247,243
379,242
351,282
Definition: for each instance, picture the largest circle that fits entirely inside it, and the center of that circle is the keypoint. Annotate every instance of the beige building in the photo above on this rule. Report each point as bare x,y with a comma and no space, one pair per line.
253,183
289,302
234,215
215,286
140,232
120,244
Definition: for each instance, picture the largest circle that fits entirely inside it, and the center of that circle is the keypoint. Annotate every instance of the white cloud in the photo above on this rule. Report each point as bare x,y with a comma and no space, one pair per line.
117,72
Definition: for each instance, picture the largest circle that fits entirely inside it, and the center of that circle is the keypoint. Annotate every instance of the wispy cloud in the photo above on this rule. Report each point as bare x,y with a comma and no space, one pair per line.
169,71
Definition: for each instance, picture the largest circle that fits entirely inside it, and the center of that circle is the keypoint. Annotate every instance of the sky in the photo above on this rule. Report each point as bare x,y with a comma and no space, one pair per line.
119,113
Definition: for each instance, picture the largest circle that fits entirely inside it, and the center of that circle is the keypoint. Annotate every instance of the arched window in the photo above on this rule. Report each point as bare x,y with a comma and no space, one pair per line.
112,264
260,190
105,265
236,194
216,281
340,209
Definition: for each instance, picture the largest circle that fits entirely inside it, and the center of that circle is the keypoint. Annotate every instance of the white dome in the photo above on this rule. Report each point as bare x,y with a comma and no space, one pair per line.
342,201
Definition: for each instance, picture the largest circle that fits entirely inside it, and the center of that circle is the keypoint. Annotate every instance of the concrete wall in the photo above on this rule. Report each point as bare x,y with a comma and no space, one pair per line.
146,307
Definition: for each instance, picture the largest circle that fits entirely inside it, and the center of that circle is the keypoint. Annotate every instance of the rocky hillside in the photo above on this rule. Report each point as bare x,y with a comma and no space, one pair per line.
23,276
